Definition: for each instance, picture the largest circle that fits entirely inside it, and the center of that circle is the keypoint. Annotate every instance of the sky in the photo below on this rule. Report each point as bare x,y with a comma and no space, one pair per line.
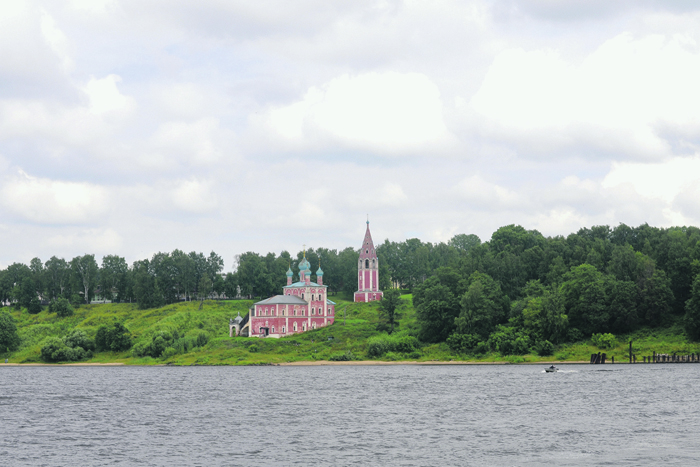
131,127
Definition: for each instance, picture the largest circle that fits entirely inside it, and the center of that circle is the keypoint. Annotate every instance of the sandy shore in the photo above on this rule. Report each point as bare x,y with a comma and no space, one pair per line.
373,362
60,364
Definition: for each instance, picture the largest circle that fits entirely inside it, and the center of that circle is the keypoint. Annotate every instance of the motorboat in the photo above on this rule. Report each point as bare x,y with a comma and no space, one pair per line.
551,369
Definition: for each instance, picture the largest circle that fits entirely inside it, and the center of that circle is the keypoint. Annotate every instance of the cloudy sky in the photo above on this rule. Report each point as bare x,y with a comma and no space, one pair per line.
130,127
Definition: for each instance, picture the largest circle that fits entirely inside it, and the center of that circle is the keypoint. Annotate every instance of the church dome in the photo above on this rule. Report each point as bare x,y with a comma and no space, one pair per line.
319,271
304,265
289,272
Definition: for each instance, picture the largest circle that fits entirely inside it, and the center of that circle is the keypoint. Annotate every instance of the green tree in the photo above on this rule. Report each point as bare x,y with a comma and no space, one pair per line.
9,338
544,317
113,277
585,299
86,273
692,311
114,337
481,306
61,306
57,273
437,305
389,308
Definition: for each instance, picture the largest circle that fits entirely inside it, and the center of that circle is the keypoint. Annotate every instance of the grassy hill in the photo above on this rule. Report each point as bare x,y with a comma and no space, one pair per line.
349,338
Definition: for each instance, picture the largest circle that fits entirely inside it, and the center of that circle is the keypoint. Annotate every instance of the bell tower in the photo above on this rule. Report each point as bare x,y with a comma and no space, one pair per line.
368,271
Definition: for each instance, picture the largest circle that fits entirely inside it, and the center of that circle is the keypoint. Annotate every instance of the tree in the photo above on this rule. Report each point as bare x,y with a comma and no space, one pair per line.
85,269
114,337
481,306
464,242
61,306
113,277
436,304
389,307
57,272
692,311
585,299
544,318
9,338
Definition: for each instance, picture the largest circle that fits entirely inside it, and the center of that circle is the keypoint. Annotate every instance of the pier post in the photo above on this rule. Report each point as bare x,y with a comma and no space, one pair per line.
653,356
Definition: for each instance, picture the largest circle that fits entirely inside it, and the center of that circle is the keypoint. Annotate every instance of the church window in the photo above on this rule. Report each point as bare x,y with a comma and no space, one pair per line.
273,329
366,252
313,325
367,264
303,311
313,311
302,296
295,311
303,327
295,327
283,330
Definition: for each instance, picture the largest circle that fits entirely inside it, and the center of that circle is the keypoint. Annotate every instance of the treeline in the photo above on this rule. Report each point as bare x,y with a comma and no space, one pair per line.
520,290
165,278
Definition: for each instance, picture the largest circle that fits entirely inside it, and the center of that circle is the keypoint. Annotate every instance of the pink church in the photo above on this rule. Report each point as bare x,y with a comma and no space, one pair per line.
304,305
368,272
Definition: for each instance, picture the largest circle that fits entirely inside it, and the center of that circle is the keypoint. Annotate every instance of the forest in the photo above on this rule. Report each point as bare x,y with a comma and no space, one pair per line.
516,292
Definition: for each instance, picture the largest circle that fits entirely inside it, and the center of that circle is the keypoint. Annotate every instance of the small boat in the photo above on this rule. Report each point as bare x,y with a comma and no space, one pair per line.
551,369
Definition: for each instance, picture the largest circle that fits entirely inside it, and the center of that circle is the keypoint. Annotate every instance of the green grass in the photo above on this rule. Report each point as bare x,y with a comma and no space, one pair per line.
349,335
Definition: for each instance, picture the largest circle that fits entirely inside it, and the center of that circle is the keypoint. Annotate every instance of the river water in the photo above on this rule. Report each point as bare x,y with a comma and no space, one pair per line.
496,415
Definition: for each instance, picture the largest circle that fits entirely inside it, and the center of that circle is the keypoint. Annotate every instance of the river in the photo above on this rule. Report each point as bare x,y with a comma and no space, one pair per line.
476,415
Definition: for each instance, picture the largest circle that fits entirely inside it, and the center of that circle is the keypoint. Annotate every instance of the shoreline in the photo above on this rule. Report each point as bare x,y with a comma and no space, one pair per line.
316,363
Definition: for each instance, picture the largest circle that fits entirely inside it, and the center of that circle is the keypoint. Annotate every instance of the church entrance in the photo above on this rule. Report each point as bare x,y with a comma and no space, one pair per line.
264,332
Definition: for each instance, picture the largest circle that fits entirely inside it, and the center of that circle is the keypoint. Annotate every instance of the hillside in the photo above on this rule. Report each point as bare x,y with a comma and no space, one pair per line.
355,337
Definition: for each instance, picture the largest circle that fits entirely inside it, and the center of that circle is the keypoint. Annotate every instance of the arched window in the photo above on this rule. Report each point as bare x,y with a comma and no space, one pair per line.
303,311
313,325
303,327
283,330
366,252
366,264
302,296
373,262
295,327
313,311
273,329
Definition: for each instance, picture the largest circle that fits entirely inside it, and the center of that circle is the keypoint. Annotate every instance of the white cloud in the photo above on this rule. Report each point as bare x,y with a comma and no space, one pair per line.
46,201
56,39
632,97
105,96
194,196
387,112
482,194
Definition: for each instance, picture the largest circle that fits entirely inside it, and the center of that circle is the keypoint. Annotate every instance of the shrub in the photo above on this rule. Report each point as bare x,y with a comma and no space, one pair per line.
392,356
76,300
377,346
168,352
34,306
9,338
54,349
114,337
574,335
508,341
253,348
545,348
604,341
403,344
414,355
462,343
61,307
342,357
78,338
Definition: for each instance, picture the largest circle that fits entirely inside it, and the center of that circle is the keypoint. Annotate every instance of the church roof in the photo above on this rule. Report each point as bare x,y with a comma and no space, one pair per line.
282,300
303,284
367,249
330,302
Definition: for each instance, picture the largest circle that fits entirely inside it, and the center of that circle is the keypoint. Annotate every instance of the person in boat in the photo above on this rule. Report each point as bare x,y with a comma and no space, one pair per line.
552,367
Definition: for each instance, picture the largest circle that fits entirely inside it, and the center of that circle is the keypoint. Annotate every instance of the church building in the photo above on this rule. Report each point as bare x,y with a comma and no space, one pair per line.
304,305
368,272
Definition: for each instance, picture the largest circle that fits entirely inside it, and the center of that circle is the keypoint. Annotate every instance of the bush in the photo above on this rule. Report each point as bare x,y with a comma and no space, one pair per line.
462,343
78,338
377,346
168,352
403,344
392,356
342,357
253,348
574,335
508,341
34,306
114,337
414,355
604,341
545,348
54,349
76,300
61,307
9,338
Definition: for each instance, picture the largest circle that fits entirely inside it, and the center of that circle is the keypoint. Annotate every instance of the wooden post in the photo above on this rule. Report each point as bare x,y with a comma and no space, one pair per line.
635,358
630,351
602,358
654,356
644,359
613,359
593,358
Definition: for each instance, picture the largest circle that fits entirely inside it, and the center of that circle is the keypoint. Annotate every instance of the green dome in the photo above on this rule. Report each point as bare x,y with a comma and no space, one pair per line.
304,265
289,272
319,272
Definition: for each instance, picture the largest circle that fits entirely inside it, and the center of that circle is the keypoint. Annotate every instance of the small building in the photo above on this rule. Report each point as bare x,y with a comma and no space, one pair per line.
304,305
368,272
